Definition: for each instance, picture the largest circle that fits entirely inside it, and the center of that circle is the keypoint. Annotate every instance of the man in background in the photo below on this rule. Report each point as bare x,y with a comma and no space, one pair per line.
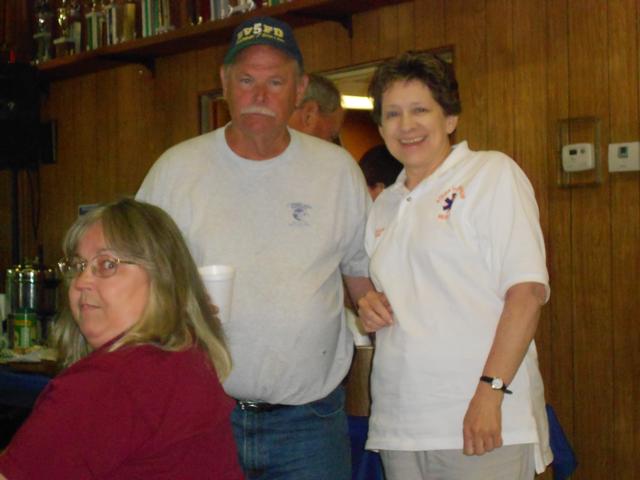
380,169
319,113
254,195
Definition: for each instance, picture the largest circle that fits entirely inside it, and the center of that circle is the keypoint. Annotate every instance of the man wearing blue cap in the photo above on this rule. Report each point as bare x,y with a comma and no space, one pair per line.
287,210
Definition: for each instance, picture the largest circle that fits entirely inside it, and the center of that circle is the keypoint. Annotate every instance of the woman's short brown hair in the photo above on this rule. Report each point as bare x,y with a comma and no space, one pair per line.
427,68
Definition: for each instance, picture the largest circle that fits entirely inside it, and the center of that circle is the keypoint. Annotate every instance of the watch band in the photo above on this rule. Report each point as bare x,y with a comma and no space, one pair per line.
496,383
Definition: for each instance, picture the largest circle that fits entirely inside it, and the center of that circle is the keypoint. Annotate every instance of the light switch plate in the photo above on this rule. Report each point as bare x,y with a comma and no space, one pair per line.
624,157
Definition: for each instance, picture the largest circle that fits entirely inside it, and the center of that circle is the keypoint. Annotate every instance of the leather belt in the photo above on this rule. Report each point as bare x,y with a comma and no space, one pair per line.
258,407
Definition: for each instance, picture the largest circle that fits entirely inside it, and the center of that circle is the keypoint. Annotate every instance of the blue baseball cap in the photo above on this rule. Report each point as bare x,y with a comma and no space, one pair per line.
263,31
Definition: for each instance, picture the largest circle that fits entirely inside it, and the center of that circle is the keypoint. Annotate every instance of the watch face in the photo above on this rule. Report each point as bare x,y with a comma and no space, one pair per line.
497,384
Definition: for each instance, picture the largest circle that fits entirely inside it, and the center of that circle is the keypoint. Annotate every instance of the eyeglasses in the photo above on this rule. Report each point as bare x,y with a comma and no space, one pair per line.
103,266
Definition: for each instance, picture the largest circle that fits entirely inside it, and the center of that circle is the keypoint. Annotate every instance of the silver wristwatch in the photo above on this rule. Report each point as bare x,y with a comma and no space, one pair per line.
496,383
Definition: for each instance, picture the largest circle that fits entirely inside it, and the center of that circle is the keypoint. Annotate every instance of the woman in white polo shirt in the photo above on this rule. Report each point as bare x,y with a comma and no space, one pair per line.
458,261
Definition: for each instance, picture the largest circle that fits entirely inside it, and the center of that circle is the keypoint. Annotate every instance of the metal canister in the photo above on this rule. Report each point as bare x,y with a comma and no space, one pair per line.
26,283
26,292
31,289
24,330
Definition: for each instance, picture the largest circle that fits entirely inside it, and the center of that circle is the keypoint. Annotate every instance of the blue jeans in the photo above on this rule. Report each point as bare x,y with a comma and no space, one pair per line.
304,442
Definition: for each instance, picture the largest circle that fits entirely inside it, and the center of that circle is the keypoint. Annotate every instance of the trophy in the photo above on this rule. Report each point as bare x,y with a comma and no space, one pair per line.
63,19
163,17
128,21
121,21
241,6
95,26
42,37
64,45
75,24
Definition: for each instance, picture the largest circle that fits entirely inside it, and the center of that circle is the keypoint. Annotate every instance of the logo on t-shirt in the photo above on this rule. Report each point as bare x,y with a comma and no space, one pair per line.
446,200
300,213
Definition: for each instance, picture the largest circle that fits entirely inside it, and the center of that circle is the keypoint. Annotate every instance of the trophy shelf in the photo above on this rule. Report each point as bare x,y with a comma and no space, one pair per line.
144,50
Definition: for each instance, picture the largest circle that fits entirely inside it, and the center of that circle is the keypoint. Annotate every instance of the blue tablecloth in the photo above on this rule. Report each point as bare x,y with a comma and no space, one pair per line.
365,465
564,458
20,389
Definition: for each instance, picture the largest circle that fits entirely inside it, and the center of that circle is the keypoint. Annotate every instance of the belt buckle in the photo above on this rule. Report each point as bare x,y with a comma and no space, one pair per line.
257,407
248,405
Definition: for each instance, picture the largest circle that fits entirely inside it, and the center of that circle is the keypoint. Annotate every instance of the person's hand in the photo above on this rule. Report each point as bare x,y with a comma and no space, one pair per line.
212,306
374,311
482,426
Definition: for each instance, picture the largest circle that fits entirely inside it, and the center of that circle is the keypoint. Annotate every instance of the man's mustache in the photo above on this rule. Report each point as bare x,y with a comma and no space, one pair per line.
260,110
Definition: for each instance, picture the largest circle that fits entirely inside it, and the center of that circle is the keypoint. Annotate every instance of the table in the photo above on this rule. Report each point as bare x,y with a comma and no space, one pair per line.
19,389
18,393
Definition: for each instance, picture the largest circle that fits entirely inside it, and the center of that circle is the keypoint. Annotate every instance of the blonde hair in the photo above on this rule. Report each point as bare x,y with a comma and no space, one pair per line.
179,313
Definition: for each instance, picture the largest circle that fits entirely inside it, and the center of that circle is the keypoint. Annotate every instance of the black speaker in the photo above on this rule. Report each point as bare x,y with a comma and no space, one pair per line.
20,129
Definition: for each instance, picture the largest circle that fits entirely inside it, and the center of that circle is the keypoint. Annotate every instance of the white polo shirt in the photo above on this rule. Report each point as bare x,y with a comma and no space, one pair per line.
445,255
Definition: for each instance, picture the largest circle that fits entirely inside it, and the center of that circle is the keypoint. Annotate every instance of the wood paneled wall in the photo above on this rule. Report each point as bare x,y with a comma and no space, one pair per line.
522,65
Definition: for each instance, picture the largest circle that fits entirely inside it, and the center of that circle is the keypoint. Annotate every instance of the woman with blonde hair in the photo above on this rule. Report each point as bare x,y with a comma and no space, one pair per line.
141,394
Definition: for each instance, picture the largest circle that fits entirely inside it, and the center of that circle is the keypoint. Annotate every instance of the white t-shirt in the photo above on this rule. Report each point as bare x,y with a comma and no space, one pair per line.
445,255
290,225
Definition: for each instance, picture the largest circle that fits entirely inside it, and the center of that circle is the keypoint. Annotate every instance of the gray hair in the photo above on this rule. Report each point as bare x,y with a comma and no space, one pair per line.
323,91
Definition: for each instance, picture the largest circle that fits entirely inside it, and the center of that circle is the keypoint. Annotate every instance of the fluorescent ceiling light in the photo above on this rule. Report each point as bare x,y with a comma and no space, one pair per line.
356,103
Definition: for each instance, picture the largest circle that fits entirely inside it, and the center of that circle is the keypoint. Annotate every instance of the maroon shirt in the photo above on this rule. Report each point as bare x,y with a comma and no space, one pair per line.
135,413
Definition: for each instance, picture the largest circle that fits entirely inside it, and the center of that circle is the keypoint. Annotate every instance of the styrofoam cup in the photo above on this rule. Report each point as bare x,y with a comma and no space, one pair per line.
218,279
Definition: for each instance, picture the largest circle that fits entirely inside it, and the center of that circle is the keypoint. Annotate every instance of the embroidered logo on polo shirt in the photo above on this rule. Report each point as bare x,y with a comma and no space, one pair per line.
447,199
299,212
